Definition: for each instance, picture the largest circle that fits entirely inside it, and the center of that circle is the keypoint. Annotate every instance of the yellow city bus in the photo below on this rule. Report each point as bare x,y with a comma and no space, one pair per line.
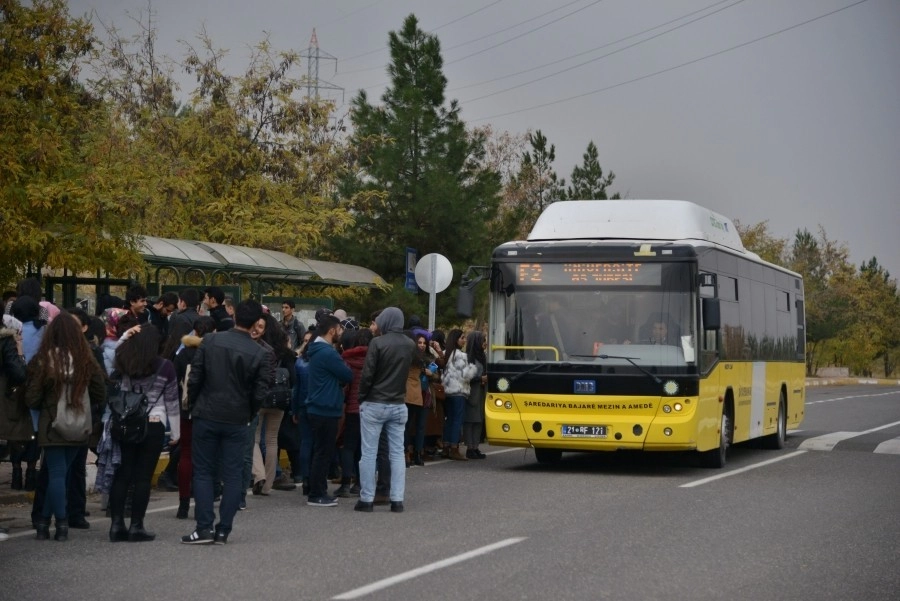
641,325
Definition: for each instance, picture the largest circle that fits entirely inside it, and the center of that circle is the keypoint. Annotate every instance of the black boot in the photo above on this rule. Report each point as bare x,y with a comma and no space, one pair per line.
30,478
137,534
417,459
117,530
43,529
62,530
16,483
183,506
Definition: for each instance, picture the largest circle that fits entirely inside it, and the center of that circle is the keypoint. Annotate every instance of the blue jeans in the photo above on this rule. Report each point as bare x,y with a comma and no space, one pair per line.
216,445
59,460
454,410
372,418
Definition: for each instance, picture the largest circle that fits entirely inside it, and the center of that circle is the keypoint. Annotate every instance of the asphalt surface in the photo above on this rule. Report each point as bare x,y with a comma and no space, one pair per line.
796,523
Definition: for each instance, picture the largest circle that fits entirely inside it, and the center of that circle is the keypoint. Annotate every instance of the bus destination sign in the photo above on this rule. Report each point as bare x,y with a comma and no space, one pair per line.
574,274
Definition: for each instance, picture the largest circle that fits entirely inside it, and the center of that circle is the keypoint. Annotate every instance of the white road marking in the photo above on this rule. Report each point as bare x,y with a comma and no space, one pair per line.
387,582
746,468
827,442
855,396
889,447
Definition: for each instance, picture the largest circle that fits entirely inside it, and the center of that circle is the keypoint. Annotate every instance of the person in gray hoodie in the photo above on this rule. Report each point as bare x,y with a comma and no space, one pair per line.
382,398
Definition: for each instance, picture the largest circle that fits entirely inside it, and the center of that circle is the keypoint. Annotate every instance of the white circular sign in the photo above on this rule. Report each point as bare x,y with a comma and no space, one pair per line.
434,273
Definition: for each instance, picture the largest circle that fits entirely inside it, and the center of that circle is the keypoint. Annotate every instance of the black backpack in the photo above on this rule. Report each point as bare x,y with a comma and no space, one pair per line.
279,396
129,410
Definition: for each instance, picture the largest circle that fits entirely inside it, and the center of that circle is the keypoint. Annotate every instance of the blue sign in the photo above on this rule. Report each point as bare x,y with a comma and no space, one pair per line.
411,258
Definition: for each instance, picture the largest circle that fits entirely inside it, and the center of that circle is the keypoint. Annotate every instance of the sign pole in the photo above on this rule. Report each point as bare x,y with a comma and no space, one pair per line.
432,296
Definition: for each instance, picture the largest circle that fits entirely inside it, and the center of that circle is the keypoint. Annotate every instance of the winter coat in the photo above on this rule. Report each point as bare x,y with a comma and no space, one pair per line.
475,400
355,358
43,395
327,376
230,377
457,374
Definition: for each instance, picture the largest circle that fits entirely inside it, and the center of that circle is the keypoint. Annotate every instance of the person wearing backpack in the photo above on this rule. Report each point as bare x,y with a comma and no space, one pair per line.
142,371
63,381
273,407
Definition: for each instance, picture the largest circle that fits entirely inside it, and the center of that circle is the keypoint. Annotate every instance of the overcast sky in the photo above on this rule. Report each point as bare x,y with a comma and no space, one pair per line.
758,109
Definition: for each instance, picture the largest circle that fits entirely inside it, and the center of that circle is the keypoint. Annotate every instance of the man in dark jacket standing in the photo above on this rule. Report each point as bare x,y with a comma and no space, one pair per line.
229,378
182,323
214,297
382,405
324,405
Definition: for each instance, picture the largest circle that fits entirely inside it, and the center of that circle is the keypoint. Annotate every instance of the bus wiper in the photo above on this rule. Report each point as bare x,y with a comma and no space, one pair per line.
535,368
629,359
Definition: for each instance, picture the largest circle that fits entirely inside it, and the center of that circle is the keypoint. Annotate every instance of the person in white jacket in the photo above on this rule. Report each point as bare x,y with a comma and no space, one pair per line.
458,371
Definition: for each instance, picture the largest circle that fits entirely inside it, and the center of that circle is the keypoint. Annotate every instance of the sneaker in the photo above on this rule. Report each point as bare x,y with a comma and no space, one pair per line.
220,538
364,506
324,501
198,537
243,505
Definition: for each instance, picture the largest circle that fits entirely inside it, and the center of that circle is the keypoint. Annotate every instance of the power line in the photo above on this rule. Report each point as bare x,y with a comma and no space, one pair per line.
601,47
376,50
669,69
524,33
384,83
466,16
593,60
505,29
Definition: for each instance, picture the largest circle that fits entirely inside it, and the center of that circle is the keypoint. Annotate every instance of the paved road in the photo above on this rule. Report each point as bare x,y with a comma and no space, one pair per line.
816,520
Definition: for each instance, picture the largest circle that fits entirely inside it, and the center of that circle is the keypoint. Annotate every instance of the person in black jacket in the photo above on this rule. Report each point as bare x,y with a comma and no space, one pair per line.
182,322
185,468
230,376
214,298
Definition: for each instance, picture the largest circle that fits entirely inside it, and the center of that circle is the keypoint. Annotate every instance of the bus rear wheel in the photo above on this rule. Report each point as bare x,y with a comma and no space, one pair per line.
548,456
715,458
776,439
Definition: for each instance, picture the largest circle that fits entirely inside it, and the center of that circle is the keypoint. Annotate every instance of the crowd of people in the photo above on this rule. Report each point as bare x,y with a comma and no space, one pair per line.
226,388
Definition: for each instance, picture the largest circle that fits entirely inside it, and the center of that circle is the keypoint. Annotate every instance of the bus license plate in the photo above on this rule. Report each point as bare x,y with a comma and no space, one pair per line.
584,431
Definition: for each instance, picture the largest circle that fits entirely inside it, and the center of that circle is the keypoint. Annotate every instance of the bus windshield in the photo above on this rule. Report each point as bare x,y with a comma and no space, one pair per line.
594,313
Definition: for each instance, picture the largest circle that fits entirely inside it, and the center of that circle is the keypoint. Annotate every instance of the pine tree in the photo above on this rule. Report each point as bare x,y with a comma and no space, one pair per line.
588,182
422,181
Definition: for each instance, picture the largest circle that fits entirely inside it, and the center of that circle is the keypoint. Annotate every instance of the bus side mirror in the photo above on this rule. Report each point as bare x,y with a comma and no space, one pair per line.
710,313
465,301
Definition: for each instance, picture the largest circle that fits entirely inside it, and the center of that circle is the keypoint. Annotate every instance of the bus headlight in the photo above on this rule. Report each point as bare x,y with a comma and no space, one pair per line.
668,431
508,404
670,387
498,402
678,407
505,427
667,409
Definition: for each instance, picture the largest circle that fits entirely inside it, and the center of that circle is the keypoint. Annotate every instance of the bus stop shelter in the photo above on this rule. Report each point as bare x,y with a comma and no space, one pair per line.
196,263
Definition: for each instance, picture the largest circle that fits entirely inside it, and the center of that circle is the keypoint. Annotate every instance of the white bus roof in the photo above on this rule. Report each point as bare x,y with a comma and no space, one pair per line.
634,220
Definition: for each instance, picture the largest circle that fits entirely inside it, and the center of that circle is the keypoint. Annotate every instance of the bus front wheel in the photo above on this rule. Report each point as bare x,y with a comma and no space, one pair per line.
715,458
548,456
